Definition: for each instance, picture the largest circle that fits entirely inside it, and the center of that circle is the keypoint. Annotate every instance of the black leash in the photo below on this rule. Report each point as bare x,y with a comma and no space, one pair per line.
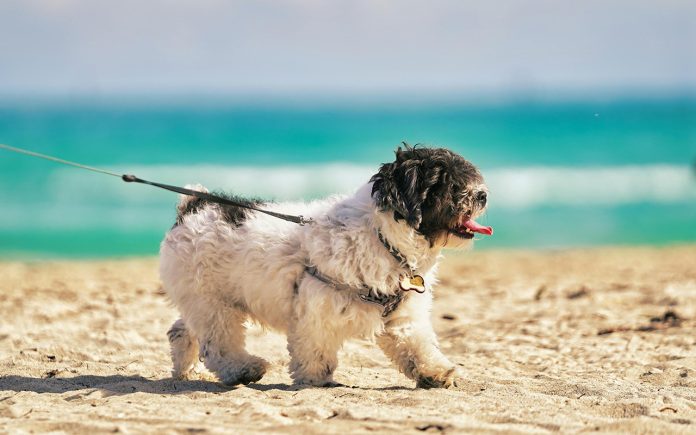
300,220
128,178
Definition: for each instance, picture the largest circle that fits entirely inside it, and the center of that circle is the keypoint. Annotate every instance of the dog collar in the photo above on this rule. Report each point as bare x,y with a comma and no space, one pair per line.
410,281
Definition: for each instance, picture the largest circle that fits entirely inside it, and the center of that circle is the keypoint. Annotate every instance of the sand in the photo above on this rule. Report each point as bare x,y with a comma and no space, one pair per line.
548,342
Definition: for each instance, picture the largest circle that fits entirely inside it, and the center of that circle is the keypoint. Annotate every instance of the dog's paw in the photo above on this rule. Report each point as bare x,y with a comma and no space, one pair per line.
245,373
316,382
445,379
188,375
196,374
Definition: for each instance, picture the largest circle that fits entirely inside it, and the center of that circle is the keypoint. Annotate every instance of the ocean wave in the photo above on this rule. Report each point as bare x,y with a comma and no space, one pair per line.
616,185
273,183
72,199
521,187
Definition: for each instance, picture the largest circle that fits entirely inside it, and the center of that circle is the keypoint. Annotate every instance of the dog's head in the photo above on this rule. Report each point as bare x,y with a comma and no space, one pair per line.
435,191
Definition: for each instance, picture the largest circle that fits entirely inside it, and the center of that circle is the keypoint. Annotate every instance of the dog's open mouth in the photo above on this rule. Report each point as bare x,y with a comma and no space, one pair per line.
467,228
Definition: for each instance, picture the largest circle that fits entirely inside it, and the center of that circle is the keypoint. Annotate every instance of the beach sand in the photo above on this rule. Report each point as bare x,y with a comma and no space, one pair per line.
547,341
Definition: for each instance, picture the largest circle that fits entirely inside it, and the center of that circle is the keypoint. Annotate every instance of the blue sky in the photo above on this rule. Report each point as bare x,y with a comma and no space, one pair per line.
345,47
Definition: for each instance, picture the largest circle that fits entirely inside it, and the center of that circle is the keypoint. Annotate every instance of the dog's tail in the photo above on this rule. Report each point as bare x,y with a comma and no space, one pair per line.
188,203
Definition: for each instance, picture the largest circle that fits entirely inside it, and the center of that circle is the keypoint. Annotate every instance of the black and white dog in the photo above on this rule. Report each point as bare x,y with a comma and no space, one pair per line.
364,268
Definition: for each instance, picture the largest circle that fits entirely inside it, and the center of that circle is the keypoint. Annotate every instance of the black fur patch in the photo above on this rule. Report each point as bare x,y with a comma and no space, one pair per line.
430,188
235,216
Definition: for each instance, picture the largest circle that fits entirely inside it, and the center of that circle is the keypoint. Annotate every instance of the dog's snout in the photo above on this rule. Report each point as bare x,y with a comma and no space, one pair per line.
482,198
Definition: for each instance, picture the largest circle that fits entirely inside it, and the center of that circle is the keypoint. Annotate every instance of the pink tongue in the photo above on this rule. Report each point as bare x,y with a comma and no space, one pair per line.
477,228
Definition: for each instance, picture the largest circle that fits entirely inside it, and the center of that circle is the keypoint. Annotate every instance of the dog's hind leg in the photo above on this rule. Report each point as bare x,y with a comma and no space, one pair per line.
221,337
184,350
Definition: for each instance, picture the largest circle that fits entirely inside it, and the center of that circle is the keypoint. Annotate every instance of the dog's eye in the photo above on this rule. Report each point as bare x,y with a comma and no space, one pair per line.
481,197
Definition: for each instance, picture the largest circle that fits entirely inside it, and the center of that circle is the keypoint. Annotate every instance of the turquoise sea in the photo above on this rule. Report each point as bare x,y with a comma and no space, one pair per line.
562,173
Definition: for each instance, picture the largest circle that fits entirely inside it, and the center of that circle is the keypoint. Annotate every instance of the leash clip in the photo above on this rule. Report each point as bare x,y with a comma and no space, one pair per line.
303,220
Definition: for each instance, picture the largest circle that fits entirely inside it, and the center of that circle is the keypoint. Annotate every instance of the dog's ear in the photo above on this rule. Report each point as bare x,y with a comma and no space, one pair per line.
386,193
403,186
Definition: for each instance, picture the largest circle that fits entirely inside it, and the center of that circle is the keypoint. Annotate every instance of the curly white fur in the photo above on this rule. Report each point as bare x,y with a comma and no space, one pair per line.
219,276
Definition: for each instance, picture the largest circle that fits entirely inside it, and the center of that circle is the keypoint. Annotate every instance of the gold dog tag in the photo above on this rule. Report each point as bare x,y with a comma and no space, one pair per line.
415,283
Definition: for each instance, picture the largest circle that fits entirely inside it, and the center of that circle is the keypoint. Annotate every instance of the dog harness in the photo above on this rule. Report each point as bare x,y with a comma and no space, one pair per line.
389,303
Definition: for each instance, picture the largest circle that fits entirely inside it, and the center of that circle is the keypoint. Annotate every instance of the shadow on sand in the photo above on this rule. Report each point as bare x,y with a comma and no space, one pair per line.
112,385
118,385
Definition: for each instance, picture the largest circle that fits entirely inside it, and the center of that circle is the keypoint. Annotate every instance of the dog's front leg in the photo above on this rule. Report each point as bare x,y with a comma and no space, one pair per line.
313,339
409,340
313,354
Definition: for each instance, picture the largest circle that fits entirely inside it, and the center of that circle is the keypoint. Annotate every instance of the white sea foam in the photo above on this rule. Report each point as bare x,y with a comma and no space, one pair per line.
617,185
75,198
275,182
510,187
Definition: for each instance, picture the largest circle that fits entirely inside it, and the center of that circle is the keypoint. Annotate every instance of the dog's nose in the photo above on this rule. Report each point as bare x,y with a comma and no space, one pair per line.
482,197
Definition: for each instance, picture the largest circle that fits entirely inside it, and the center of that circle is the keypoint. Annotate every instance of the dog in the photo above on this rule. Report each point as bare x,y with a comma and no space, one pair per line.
365,267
